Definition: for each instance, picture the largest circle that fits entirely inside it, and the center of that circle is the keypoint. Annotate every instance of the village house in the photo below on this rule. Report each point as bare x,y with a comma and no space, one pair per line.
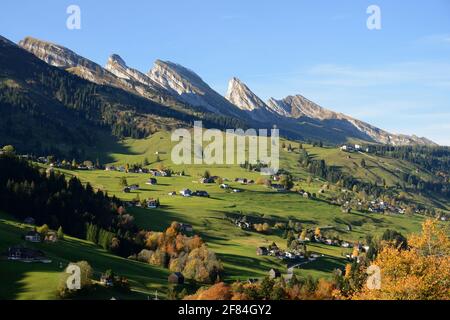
184,227
206,180
176,278
262,251
152,181
201,193
186,193
274,274
152,203
134,187
106,281
279,187
33,236
126,189
51,237
20,253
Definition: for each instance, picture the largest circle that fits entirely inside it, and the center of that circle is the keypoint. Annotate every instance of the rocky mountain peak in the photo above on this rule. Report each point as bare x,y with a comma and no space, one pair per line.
190,88
117,66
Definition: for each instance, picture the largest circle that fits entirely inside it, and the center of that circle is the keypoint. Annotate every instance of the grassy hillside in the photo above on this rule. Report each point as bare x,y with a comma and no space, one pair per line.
33,281
208,216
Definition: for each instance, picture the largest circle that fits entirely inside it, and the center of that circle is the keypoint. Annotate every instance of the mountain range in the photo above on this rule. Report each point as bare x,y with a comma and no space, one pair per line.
168,94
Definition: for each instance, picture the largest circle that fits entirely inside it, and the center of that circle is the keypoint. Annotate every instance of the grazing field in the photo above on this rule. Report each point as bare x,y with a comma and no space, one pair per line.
39,281
211,218
208,216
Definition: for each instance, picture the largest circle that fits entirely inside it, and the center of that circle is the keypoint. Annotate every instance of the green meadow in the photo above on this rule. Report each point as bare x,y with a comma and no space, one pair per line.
209,218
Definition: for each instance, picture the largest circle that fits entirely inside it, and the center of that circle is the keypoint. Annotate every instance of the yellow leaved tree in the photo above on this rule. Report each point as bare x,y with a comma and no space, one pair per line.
421,272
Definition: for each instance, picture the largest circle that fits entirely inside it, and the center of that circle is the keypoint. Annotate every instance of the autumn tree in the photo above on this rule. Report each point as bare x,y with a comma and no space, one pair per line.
421,272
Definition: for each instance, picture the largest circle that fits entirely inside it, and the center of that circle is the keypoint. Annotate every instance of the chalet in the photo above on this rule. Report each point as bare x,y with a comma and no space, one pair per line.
127,190
241,180
51,237
200,193
152,181
29,220
345,244
186,193
262,251
274,274
184,227
289,255
25,254
159,173
176,278
207,180
134,187
152,203
279,187
33,236
107,281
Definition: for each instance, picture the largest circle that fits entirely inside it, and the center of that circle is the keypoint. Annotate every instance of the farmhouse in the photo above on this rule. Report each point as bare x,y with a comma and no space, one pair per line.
152,181
152,203
184,227
106,280
33,236
186,193
274,274
176,278
127,190
262,251
207,180
279,187
20,253
200,193
134,187
51,237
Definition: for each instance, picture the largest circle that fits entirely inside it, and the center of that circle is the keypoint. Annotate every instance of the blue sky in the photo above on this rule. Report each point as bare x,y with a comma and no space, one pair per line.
397,78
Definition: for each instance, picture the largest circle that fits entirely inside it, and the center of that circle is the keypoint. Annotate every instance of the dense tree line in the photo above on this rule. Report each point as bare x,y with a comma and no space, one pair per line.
430,158
48,197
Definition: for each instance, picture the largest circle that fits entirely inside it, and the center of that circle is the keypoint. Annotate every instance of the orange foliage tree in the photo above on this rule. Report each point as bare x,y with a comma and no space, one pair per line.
421,272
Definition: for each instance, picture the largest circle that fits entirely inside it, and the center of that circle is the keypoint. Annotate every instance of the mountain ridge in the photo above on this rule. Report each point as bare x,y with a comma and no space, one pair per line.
170,83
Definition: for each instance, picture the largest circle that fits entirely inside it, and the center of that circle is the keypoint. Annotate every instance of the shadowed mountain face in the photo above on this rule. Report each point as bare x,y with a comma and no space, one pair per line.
176,88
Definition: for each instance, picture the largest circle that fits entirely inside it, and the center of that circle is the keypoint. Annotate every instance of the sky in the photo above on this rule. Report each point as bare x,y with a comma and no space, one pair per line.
396,78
